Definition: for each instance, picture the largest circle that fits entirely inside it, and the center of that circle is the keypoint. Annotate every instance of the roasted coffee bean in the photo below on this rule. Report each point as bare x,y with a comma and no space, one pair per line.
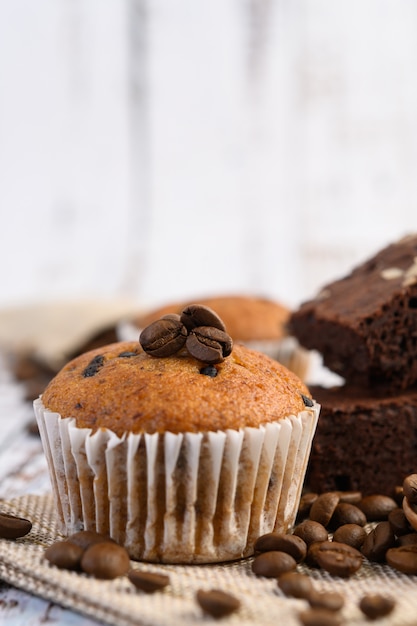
398,494
163,338
307,401
351,534
12,527
291,544
346,513
323,507
319,617
65,555
172,316
399,523
377,507
403,559
304,507
375,606
330,600
149,582
94,366
378,541
338,559
87,538
105,560
351,497
273,564
410,511
311,531
198,315
410,488
295,585
209,344
217,603
312,549
209,370
407,540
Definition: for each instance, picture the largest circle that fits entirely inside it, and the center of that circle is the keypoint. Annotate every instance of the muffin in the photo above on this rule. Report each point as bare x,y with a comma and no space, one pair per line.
259,323
182,457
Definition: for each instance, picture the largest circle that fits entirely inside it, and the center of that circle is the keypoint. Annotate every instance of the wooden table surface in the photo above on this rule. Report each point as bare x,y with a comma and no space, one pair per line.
23,470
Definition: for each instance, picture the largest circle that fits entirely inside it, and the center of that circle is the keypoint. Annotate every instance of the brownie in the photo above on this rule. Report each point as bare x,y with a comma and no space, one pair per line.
366,439
365,324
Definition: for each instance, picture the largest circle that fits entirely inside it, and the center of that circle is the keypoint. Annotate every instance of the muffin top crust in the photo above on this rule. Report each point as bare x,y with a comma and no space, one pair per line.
124,389
247,318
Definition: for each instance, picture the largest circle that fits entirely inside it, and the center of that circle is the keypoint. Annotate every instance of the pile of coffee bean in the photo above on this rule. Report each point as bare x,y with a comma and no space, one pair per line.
198,329
338,532
12,527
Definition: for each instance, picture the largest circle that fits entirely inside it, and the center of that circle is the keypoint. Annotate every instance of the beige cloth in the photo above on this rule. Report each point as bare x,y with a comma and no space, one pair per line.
117,602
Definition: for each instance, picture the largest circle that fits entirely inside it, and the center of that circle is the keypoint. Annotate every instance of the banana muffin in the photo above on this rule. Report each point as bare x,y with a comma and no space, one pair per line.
178,459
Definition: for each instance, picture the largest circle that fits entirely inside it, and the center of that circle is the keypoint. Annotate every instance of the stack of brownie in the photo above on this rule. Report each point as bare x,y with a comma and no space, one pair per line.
365,327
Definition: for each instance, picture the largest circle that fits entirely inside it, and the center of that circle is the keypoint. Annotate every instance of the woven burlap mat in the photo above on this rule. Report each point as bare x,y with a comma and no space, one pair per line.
22,564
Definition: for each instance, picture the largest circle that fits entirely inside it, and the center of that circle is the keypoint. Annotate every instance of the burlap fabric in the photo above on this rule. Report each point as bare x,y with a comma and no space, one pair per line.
117,602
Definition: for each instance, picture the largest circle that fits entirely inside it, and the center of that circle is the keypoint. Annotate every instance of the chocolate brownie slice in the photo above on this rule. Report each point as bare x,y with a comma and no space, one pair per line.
365,440
365,324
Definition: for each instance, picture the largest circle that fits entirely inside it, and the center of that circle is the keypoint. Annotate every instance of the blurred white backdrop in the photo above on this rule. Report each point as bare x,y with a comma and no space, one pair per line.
160,149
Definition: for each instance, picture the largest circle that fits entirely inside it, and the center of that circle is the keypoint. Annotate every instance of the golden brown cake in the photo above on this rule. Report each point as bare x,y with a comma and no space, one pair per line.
180,461
247,318
131,391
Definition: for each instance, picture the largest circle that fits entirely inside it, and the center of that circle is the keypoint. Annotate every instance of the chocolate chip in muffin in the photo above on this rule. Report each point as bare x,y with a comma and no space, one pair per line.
209,370
94,366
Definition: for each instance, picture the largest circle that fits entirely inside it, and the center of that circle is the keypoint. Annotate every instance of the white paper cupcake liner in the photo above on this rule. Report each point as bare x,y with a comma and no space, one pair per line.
178,498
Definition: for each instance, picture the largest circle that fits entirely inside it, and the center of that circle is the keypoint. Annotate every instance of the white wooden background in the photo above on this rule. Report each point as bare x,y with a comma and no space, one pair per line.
165,148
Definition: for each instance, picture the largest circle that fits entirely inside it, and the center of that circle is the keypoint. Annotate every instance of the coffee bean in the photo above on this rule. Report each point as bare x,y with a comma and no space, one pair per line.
399,523
323,507
65,555
163,338
295,585
105,560
149,582
350,497
375,606
338,559
410,512
330,600
198,315
377,507
410,488
306,501
311,531
319,617
217,603
378,541
407,540
12,527
351,534
398,494
273,564
312,550
87,538
291,544
94,366
403,559
346,513
209,344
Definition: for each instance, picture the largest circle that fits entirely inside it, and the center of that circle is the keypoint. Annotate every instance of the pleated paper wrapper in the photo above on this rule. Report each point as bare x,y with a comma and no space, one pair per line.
178,498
